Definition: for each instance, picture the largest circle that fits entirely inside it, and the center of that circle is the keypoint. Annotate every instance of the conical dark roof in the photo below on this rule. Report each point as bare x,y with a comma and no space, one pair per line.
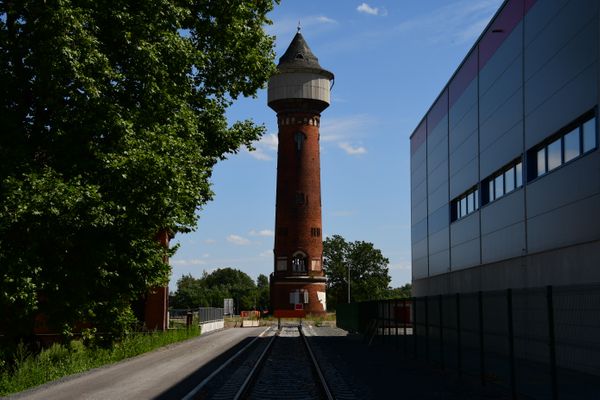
298,54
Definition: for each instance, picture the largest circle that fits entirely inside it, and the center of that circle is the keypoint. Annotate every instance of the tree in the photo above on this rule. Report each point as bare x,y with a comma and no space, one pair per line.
369,274
237,284
263,292
191,293
402,292
113,114
213,288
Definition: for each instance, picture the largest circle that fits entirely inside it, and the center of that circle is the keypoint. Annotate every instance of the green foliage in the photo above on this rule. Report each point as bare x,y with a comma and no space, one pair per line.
113,114
369,273
211,289
263,296
29,370
402,292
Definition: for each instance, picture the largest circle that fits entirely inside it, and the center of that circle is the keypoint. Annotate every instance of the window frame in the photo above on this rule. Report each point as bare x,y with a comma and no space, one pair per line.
489,183
460,207
544,147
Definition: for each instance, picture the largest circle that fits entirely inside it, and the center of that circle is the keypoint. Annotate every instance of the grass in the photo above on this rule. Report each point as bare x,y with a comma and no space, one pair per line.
31,370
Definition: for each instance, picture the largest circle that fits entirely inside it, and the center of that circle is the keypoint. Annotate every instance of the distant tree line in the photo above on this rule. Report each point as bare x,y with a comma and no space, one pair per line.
212,288
367,268
369,280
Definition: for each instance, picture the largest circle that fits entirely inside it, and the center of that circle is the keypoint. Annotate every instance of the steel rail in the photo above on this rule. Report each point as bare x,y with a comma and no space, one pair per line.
315,364
206,380
255,369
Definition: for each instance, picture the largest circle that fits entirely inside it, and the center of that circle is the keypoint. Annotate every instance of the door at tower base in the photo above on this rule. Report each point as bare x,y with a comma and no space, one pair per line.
290,295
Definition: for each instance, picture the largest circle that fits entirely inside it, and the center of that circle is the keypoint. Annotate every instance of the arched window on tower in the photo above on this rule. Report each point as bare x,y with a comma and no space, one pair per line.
299,262
299,138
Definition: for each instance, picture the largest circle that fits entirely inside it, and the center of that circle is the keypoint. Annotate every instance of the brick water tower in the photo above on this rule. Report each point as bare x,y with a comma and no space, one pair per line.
298,92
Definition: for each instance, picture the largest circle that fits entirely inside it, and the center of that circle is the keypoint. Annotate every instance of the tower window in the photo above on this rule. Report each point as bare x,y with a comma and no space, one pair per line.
315,232
300,199
299,138
315,265
281,263
299,296
299,262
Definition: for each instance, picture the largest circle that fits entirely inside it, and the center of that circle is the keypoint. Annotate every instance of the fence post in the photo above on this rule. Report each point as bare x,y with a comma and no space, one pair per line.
427,328
441,314
552,341
458,339
511,343
481,352
396,322
415,330
404,338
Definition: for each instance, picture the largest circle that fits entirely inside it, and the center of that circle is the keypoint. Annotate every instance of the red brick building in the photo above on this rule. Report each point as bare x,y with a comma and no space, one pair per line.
298,92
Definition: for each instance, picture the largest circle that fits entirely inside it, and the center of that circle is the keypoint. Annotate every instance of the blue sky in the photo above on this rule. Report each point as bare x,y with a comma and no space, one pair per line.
390,59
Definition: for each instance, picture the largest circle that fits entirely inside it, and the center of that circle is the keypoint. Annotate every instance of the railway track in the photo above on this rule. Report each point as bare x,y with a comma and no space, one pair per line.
278,364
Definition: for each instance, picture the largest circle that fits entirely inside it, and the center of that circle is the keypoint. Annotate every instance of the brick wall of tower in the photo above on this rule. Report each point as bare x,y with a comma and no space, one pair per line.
298,226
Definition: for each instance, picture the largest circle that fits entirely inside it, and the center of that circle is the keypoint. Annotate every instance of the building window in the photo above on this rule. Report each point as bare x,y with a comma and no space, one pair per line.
281,263
568,146
465,204
315,232
503,181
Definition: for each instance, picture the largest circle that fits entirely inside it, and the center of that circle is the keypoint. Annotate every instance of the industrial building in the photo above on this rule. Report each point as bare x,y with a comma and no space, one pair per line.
505,172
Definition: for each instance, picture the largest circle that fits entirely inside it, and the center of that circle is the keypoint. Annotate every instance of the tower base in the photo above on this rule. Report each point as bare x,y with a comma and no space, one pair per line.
288,293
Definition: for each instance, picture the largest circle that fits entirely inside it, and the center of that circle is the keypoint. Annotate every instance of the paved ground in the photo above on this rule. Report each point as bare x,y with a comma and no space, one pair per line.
380,372
168,373
365,372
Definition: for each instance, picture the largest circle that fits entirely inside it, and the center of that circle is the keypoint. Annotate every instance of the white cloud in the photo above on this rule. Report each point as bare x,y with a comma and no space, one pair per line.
238,240
266,253
459,22
342,131
265,148
352,150
342,128
343,213
187,262
325,20
263,232
367,9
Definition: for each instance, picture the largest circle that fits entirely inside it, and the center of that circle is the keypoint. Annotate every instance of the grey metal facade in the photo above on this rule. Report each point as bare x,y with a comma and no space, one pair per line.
531,79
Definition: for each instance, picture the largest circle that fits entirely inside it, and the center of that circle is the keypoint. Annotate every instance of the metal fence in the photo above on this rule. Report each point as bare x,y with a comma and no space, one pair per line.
201,314
210,314
543,342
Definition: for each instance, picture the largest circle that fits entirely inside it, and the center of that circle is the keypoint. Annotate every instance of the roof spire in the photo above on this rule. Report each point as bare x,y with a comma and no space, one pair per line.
299,26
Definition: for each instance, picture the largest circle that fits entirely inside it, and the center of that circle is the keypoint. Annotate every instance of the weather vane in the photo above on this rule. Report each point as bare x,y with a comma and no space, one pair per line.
299,27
